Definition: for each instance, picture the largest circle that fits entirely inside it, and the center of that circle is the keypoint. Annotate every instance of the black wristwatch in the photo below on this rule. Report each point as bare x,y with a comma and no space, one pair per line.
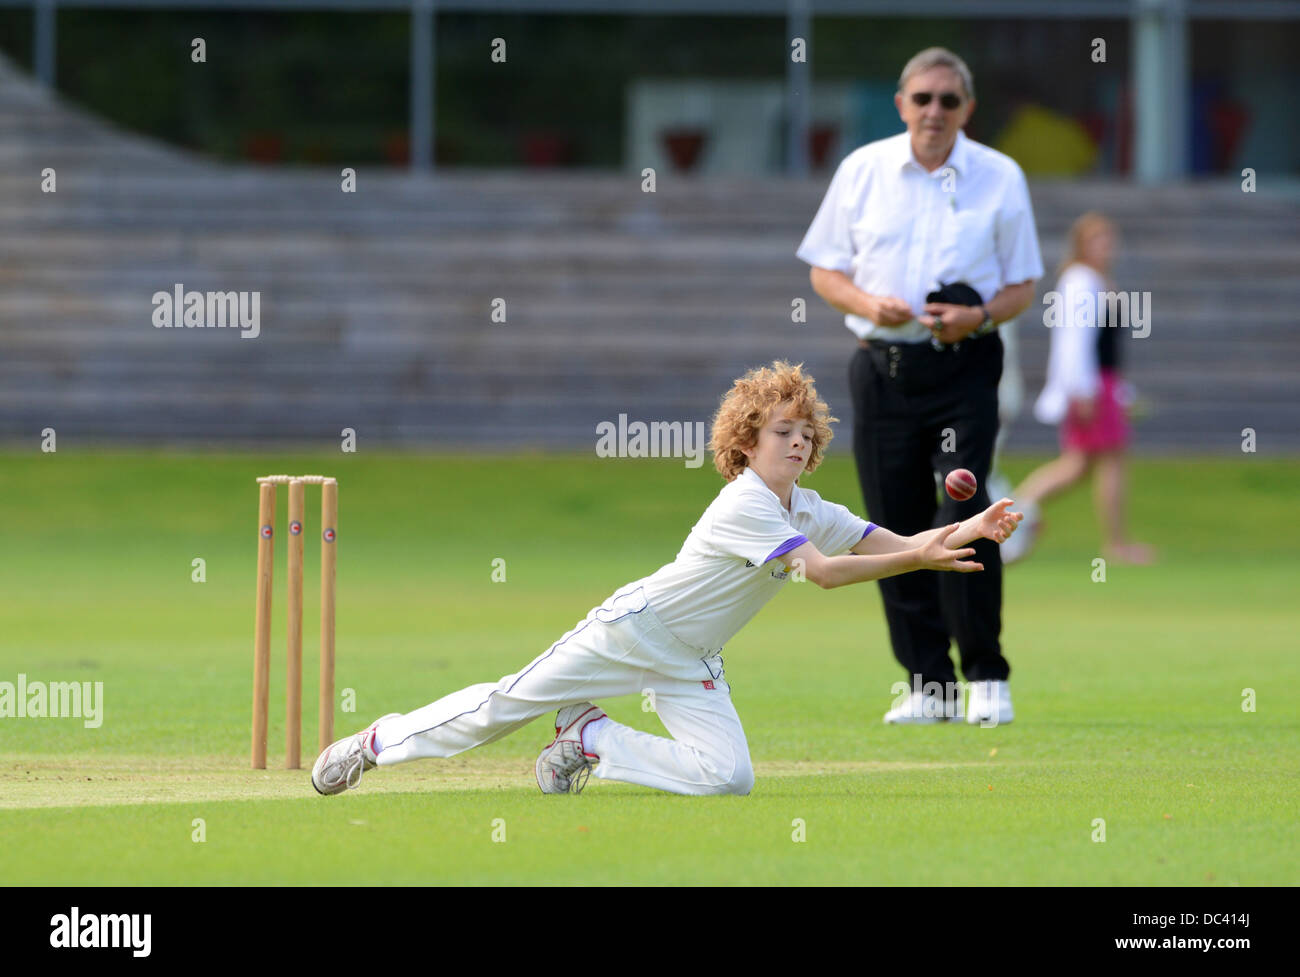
988,325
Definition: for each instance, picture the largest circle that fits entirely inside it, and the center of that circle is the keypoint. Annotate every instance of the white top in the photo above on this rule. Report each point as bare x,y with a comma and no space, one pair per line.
896,229
727,568
1072,363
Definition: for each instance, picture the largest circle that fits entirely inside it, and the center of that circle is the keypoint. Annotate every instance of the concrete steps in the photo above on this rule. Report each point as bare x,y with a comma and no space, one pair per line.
375,305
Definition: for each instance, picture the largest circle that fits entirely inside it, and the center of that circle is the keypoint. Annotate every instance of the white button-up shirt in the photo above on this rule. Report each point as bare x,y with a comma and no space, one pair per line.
896,229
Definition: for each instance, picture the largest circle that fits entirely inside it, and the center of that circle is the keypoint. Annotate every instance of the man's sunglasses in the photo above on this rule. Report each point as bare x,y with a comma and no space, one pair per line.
949,100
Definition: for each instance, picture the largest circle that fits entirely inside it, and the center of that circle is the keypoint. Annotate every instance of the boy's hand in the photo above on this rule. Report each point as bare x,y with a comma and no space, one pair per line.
935,554
996,523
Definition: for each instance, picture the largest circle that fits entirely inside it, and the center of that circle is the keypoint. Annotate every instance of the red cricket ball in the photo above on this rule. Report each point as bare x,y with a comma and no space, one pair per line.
960,484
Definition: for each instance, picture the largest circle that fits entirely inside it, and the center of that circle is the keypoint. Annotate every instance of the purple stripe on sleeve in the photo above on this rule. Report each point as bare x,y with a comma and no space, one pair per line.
866,532
793,543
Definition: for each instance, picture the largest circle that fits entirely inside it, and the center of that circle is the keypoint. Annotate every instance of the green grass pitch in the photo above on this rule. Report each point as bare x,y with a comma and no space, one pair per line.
1128,693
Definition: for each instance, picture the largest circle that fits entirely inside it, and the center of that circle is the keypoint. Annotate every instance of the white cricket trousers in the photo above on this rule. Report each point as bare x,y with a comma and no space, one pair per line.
621,648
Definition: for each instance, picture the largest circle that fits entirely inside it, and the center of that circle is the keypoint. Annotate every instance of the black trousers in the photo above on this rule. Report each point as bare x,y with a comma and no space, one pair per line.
910,403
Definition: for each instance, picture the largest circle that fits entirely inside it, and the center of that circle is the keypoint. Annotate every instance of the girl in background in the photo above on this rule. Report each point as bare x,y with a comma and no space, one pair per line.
1084,393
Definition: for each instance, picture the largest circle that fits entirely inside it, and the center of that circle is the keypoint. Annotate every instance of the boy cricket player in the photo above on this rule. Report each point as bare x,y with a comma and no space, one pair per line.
666,631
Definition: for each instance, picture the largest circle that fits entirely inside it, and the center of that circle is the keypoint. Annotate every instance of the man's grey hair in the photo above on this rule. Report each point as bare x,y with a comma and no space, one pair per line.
937,57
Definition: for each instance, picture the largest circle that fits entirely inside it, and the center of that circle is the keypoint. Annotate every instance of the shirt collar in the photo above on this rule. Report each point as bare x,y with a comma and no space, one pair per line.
958,158
797,501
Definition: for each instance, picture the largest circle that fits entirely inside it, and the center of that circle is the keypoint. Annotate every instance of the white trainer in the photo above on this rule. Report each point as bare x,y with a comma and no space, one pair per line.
920,709
990,703
1026,535
564,766
341,765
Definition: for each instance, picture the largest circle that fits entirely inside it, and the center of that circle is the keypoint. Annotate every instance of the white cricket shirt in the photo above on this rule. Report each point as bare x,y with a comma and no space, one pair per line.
728,568
896,229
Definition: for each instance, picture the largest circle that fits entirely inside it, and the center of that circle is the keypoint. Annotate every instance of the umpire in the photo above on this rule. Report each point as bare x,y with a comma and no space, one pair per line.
926,241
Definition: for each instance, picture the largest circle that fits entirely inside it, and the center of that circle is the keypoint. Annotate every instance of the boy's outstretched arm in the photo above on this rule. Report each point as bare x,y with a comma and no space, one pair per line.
994,523
836,571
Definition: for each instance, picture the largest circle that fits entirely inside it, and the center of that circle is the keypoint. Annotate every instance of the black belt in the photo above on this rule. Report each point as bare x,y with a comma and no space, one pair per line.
888,346
922,362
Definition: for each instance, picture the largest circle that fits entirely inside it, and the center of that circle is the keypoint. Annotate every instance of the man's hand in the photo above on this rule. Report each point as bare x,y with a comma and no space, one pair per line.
996,523
842,295
951,323
935,554
888,310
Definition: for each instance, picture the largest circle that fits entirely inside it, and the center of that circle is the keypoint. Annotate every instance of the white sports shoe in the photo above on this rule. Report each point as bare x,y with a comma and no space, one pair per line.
564,766
990,703
1022,540
920,709
341,765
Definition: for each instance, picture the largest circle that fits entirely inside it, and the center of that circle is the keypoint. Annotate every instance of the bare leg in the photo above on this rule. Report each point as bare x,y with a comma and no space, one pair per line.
1042,483
1056,476
1109,497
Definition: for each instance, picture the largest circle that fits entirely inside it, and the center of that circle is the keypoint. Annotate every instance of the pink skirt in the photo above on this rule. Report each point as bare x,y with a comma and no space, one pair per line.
1107,430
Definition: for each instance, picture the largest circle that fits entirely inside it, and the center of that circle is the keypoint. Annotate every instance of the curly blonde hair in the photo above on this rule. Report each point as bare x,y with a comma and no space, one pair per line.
749,404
